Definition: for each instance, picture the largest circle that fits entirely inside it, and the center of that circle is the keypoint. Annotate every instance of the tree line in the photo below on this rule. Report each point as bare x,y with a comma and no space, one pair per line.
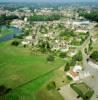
93,16
5,20
44,17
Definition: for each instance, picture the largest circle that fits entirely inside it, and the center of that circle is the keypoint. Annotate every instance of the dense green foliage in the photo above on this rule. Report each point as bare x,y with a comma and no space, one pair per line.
67,67
50,58
43,29
93,16
5,20
78,56
62,55
69,78
44,17
94,55
67,32
70,62
51,85
96,25
4,90
44,46
83,90
15,43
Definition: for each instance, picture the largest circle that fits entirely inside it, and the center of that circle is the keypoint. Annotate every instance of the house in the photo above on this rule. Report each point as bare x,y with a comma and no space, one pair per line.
27,40
77,68
17,23
73,75
81,31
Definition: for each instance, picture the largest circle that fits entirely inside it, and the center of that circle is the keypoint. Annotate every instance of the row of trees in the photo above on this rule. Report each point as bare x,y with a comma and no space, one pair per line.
44,17
93,16
5,20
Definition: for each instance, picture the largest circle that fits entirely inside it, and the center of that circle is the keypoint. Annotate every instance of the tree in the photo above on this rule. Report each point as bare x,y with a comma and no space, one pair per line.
78,56
67,67
4,90
93,16
67,32
94,55
5,20
62,54
15,43
44,45
50,58
90,45
51,85
44,17
43,29
72,62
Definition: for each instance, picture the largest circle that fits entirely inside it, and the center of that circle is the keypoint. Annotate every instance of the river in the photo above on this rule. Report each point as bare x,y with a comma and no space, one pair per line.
15,32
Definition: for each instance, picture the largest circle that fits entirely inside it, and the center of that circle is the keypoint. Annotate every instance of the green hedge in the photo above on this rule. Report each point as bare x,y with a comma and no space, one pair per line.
85,94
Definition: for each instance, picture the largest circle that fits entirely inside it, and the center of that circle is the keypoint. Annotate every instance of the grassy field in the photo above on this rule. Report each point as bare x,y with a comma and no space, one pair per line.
23,71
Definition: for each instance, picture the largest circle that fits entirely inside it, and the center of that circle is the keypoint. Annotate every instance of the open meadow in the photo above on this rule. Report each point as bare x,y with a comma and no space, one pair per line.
23,71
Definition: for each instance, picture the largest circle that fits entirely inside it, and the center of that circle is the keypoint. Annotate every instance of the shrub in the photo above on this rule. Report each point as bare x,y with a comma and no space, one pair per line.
78,56
69,78
4,90
51,85
67,67
50,58
62,54
94,55
15,43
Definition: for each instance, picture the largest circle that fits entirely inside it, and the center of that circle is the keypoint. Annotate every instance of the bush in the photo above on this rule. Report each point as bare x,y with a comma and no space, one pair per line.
50,58
51,17
72,62
69,78
82,90
62,55
67,67
15,43
51,85
4,90
94,55
78,56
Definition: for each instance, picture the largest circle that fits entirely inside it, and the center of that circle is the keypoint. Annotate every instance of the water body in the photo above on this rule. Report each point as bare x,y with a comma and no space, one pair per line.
15,32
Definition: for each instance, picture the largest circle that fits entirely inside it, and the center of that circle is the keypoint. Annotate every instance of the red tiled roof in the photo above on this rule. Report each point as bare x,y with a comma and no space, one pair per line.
74,74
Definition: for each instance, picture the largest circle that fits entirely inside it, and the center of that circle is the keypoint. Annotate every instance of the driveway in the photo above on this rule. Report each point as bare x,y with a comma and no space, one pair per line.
68,93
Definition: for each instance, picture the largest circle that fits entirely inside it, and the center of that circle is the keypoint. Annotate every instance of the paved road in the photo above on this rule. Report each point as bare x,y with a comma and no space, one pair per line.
92,80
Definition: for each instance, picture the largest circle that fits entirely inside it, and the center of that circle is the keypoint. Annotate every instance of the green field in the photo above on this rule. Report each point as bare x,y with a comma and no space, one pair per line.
23,71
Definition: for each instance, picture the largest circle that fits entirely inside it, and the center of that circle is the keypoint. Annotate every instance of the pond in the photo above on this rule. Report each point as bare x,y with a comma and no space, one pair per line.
7,33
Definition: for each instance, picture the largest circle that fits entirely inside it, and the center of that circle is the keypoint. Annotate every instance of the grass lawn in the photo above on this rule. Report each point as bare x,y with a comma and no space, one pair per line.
44,94
18,66
83,90
30,91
